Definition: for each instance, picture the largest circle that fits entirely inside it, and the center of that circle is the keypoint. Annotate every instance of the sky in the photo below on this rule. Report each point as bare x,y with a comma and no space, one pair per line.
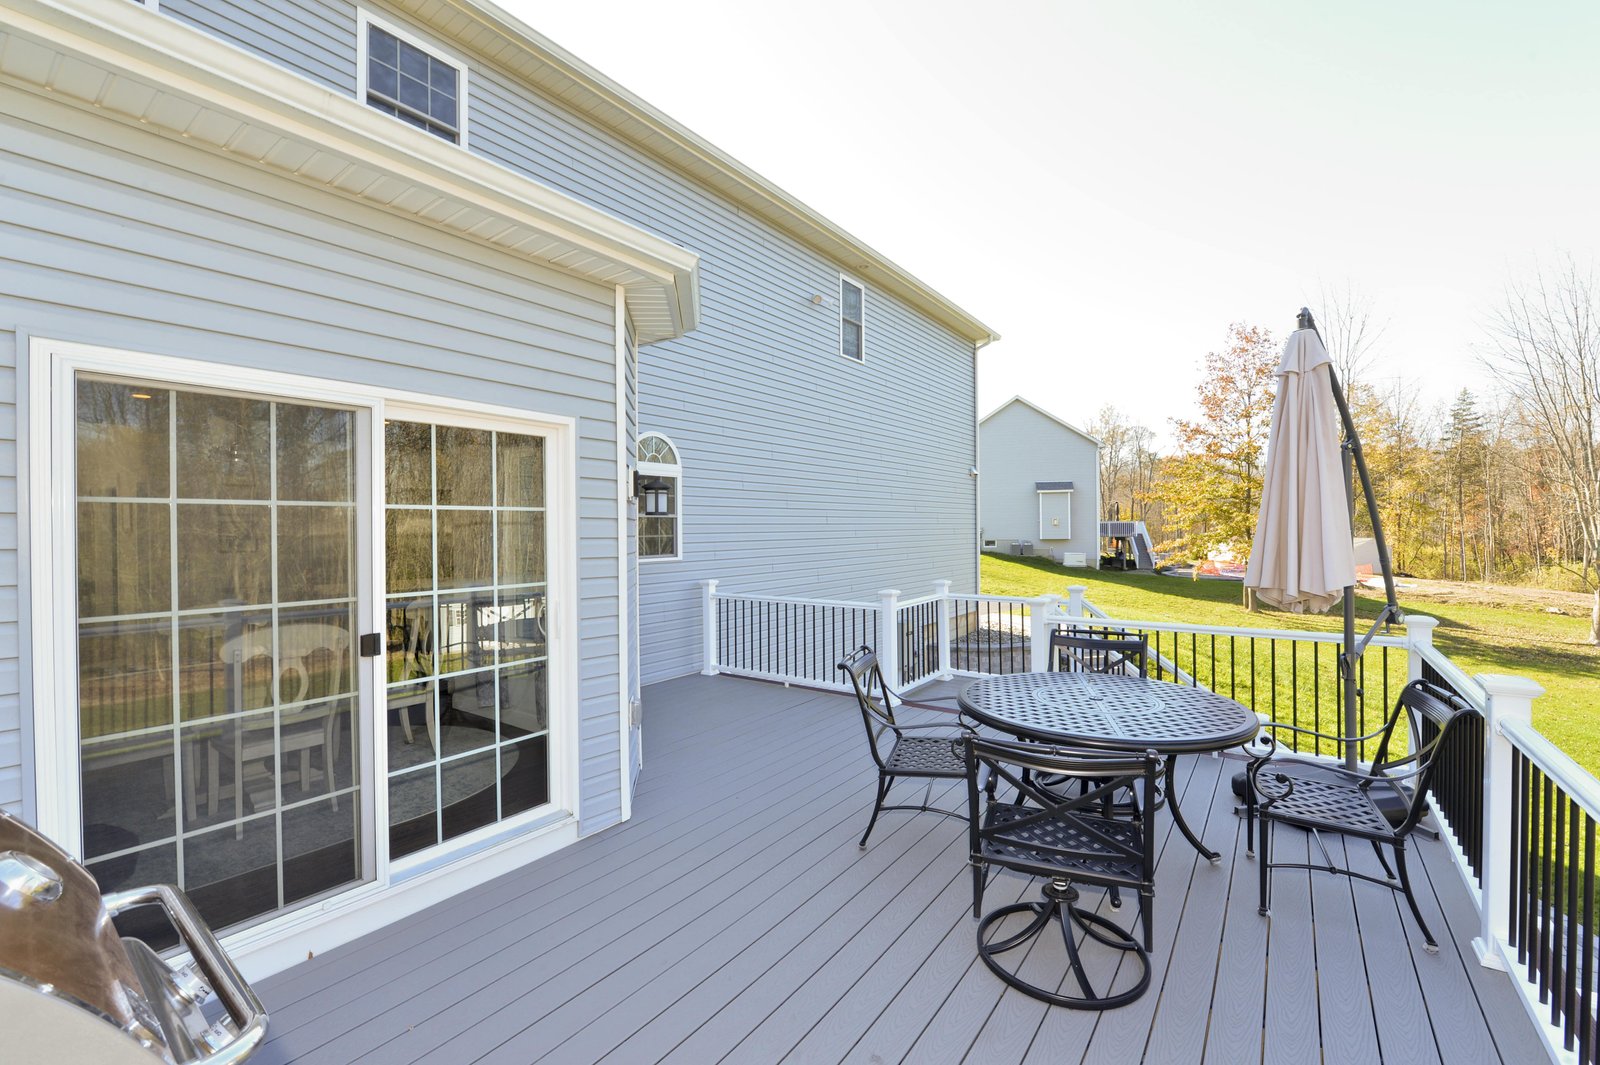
1109,185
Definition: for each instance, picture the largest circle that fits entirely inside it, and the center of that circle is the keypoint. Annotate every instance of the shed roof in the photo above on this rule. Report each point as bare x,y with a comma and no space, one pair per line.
1040,410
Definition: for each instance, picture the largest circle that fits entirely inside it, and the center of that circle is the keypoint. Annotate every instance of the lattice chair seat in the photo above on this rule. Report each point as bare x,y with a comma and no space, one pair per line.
1041,842
926,756
1356,803
1311,797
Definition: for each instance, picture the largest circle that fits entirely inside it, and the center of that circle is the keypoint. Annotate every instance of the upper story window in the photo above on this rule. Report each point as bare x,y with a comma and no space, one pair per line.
412,80
852,320
659,487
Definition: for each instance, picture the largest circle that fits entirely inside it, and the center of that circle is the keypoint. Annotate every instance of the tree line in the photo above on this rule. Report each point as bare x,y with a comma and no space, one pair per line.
1500,487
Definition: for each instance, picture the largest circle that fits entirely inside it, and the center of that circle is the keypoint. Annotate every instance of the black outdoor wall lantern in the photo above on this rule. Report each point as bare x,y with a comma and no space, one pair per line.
653,493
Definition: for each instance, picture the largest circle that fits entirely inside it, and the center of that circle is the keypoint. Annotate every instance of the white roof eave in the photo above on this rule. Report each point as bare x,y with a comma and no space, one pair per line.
129,63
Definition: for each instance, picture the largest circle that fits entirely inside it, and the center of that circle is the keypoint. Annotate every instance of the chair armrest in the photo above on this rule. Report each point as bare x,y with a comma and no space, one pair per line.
960,726
932,704
1321,735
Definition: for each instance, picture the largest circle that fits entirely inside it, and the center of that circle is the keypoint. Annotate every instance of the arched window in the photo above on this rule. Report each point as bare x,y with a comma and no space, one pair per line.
659,488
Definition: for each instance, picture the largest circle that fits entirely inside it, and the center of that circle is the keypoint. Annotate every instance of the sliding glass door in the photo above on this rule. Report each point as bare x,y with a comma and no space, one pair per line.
467,644
221,747
227,574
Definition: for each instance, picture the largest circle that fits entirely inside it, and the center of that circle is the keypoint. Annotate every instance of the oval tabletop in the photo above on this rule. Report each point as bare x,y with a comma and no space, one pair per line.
1109,711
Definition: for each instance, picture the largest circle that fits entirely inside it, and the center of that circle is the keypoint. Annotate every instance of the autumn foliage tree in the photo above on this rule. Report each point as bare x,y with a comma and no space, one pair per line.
1210,489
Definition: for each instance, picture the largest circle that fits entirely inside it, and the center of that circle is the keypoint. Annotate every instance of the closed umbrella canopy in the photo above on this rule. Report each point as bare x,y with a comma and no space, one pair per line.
1303,557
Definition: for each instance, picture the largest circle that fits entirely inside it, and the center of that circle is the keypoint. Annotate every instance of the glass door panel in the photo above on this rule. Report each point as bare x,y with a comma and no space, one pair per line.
466,663
220,739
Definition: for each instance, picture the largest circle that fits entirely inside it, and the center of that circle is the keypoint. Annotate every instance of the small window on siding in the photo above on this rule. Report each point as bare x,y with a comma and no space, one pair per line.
659,490
852,320
406,78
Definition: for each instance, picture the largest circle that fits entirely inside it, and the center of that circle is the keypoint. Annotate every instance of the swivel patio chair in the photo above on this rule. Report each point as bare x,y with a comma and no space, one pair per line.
934,756
1069,841
1382,805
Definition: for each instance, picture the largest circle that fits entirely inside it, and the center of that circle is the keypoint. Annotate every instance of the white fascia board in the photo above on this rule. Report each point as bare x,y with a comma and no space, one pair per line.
1040,410
124,61
626,114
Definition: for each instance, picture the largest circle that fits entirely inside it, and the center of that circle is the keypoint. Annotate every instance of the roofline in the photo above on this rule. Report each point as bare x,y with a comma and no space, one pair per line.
1095,440
603,100
174,80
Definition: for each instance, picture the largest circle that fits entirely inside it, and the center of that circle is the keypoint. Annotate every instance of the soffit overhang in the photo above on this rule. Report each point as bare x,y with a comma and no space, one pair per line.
125,61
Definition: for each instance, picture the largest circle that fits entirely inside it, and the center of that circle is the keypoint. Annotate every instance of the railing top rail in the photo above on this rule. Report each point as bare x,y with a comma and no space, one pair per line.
921,600
1579,784
1101,618
981,598
1466,686
753,597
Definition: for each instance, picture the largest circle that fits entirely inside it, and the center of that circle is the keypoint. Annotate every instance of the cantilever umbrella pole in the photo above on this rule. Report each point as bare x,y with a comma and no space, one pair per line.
1355,466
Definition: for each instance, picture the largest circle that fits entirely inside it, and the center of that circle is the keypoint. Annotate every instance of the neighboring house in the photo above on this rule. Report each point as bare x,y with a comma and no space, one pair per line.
1038,484
352,355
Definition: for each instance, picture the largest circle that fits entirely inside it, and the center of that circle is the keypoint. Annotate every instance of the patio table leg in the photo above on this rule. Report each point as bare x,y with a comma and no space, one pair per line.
1177,814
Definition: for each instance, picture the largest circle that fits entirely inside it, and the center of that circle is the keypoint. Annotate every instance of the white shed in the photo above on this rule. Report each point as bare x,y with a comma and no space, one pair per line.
1038,485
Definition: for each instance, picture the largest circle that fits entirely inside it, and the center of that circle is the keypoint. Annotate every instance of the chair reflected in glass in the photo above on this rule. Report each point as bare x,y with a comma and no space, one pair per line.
256,741
1071,841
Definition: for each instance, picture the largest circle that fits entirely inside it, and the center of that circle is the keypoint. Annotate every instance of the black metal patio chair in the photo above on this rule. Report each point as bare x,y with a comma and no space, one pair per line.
1099,652
934,756
1069,841
1078,652
1382,805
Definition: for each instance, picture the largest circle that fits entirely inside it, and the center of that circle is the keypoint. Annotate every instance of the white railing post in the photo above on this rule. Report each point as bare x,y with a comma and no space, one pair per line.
1510,699
1419,638
1040,622
708,606
942,590
1075,600
889,635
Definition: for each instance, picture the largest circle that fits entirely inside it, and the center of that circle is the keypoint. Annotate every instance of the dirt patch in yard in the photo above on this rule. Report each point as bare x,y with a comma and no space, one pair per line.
1511,597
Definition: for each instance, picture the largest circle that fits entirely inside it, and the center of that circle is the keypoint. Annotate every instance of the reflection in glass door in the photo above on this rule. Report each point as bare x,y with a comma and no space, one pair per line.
467,699
217,597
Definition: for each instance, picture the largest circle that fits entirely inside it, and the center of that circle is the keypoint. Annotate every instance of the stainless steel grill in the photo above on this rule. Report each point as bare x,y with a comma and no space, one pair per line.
73,990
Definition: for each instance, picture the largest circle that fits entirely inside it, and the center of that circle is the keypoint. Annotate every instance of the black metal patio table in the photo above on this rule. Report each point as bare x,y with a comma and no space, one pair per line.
1114,713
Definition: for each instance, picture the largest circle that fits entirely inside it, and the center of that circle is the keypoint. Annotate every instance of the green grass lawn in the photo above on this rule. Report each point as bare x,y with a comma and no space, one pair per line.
1488,637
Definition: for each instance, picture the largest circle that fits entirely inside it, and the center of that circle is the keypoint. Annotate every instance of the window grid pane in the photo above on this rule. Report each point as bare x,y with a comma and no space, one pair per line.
413,86
466,639
215,650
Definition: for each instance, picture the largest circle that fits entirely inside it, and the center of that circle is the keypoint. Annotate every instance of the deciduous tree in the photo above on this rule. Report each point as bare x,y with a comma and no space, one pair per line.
1211,488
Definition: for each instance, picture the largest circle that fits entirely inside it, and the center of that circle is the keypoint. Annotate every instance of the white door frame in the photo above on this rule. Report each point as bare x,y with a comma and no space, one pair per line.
51,514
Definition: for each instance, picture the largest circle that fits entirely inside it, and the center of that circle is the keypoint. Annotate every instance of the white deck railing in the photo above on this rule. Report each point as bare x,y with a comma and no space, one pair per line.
1518,815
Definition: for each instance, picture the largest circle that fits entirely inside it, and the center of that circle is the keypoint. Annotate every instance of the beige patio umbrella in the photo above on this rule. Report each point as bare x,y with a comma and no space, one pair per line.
1303,557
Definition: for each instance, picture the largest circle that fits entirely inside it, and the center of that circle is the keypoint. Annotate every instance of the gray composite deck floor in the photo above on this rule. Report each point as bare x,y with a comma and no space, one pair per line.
734,919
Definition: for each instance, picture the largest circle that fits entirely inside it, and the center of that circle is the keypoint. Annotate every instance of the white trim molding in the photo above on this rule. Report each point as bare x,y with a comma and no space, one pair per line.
1040,410
390,889
172,80
673,470
860,323
488,29
1041,493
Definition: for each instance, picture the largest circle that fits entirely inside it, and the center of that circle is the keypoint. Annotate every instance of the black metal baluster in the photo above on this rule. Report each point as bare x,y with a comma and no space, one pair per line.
1233,671
1545,833
1585,1017
1294,693
1555,962
1569,984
